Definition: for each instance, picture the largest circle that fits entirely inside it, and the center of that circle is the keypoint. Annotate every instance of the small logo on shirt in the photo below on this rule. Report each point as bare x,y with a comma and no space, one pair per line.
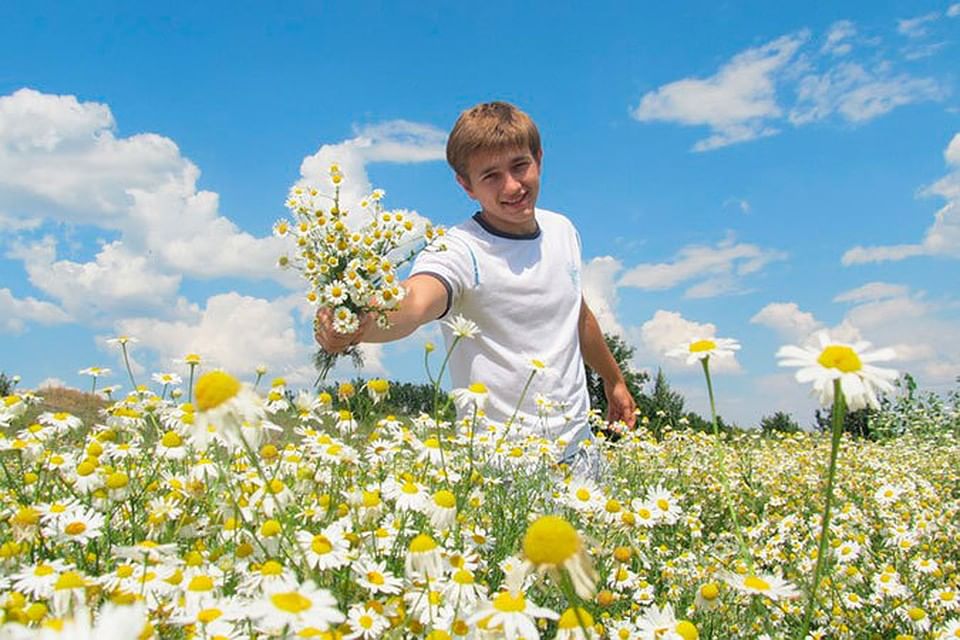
574,272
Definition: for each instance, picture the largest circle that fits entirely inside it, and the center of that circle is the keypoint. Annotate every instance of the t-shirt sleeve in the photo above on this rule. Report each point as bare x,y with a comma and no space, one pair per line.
455,267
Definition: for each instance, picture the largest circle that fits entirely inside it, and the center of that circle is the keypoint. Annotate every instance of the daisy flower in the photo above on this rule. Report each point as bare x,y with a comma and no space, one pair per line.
378,389
94,372
424,557
511,612
441,508
77,525
375,578
662,624
849,363
698,348
470,397
572,623
328,549
227,406
664,505
463,591
769,585
463,328
365,622
551,543
298,607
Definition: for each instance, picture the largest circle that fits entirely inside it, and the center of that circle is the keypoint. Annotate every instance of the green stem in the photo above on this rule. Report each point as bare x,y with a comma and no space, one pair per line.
190,384
839,411
721,469
126,361
516,410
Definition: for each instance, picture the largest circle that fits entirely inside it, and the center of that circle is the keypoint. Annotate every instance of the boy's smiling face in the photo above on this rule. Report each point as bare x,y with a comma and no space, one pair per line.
506,183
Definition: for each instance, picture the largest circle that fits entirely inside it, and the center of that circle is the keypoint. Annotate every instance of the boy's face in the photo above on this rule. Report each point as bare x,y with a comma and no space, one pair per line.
506,183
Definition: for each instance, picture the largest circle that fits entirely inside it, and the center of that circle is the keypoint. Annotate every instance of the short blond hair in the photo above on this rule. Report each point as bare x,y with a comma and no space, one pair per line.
490,126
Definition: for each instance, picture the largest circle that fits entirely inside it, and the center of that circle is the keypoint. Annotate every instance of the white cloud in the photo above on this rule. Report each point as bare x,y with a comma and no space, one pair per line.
718,269
942,238
233,331
736,102
10,224
924,334
16,312
954,10
787,320
857,94
668,329
837,41
872,291
917,27
116,279
396,141
51,383
749,97
600,291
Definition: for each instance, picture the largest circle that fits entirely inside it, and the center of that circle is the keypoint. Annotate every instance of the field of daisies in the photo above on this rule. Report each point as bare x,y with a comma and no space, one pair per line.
232,508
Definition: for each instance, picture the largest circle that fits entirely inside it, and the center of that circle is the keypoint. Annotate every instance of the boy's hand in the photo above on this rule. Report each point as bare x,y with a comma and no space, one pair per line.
332,341
620,404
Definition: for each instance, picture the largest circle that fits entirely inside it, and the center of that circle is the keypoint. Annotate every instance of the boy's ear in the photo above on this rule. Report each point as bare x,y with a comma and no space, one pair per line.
465,183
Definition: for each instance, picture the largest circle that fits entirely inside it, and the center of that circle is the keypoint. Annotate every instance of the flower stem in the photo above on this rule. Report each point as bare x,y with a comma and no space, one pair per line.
839,411
126,361
721,468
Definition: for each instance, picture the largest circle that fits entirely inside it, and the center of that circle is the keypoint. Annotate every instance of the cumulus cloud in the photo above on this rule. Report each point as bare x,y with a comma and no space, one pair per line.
115,280
396,141
878,313
954,10
787,320
233,331
668,329
15,313
736,102
717,270
789,80
600,291
942,238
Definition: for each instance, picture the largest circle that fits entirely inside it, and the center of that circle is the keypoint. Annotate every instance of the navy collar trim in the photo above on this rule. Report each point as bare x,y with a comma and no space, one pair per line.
533,235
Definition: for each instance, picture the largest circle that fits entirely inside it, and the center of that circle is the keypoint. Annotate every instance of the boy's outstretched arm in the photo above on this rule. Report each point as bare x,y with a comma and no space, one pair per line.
425,300
620,403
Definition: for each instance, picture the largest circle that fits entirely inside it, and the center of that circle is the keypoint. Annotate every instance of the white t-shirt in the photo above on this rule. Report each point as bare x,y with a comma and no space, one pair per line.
524,293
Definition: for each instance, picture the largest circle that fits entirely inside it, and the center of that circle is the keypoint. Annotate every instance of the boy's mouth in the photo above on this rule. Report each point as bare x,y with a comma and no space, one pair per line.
519,199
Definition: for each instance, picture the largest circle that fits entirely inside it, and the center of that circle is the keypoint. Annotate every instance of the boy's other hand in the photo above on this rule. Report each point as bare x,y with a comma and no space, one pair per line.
332,341
620,404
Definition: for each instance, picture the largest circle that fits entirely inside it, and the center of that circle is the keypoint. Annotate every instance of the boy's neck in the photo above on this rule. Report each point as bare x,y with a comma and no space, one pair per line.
531,229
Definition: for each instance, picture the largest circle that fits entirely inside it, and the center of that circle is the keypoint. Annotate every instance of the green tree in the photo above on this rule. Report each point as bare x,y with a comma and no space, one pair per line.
622,353
779,421
6,385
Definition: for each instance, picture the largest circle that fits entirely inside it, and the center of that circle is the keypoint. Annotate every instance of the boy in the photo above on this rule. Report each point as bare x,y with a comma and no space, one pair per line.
514,270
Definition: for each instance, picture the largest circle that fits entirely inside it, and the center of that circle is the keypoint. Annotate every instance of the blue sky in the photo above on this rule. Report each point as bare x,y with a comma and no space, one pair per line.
734,169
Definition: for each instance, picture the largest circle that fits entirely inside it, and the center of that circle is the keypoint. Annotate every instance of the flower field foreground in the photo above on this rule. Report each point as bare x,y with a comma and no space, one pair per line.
208,520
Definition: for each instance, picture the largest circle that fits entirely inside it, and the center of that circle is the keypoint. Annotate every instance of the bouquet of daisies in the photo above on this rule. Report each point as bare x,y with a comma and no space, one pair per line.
350,263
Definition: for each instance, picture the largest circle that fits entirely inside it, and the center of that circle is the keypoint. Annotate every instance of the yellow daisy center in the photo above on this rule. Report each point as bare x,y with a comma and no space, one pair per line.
271,568
477,387
916,614
753,582
75,528
171,439
702,345
321,544
550,540
505,601
445,499
290,601
840,357
569,619
686,630
215,388
375,577
207,616
422,544
709,591
70,580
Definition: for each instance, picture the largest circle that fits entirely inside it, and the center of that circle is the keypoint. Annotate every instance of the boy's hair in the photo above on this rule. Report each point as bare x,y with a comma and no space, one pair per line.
486,126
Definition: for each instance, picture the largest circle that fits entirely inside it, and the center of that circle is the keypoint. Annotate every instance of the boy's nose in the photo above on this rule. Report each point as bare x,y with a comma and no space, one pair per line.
511,185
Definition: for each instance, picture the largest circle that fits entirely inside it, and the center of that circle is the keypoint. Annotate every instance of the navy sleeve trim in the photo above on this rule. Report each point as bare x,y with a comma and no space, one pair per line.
446,285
